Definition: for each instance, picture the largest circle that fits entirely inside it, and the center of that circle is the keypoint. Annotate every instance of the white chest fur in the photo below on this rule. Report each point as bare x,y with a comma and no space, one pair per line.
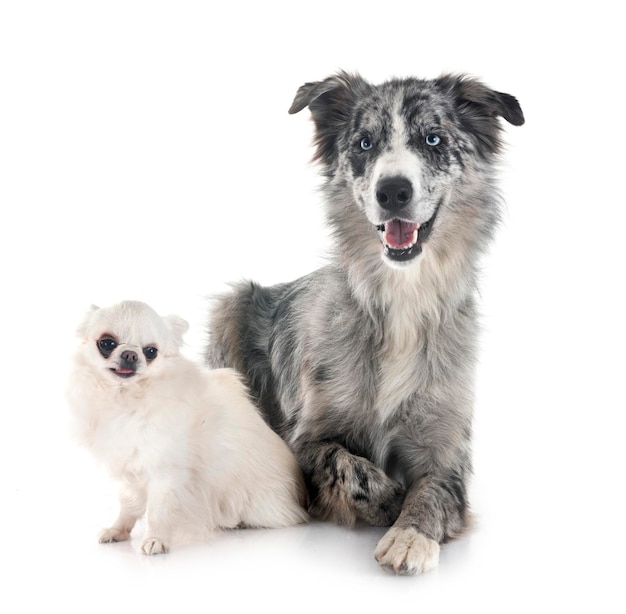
402,342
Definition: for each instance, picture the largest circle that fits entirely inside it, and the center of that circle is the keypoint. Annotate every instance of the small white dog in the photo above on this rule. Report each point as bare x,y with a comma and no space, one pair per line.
189,447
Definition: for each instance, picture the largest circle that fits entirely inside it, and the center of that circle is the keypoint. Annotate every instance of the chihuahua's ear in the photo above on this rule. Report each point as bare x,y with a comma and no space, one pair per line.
81,331
179,327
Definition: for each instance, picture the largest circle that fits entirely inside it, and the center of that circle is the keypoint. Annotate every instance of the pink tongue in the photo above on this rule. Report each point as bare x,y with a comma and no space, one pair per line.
399,234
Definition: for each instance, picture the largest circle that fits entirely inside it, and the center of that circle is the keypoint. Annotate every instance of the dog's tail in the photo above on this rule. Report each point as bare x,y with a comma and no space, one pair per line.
239,337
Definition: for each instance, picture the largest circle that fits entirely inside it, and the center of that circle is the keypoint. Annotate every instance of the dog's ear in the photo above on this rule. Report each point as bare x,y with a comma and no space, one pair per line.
479,107
82,329
330,102
178,327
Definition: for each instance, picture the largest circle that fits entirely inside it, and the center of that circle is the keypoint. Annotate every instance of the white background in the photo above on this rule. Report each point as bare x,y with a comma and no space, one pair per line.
146,152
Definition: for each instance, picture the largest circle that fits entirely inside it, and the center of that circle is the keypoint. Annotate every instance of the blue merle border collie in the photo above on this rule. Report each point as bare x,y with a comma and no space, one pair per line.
365,366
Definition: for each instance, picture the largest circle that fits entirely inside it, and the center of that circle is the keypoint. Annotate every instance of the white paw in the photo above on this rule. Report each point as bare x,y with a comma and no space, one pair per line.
407,552
153,545
108,536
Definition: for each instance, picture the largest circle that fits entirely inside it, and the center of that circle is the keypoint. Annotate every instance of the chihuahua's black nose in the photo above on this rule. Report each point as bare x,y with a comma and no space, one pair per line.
129,356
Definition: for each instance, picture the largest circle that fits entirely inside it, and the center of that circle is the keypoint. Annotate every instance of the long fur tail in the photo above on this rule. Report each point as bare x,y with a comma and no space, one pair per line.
239,339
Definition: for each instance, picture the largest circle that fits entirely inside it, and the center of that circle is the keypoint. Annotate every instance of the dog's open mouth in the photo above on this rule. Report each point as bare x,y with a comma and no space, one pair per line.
124,372
403,241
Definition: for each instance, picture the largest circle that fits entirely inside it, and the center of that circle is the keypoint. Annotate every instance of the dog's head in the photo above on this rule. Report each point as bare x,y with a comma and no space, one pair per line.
402,147
129,341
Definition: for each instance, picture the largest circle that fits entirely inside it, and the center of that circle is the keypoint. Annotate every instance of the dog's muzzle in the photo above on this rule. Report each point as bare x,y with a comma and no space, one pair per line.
128,364
403,240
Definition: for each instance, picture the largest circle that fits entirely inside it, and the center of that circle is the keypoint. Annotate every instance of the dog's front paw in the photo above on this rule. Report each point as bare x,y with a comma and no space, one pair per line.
407,552
112,535
153,545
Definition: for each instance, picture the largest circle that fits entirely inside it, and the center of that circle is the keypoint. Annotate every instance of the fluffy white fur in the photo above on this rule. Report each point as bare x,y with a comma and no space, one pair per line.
189,448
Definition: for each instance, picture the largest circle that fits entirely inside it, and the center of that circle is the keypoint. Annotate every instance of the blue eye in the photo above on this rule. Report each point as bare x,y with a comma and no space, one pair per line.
366,143
433,140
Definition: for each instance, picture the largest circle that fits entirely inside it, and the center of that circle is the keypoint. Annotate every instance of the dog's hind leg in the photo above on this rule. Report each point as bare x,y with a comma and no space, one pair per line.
344,487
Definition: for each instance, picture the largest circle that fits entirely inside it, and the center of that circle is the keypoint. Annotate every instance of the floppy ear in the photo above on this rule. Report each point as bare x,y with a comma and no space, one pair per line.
178,327
479,107
83,327
330,103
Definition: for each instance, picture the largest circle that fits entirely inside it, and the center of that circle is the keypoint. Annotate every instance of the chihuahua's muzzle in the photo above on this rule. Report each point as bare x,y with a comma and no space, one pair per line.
127,364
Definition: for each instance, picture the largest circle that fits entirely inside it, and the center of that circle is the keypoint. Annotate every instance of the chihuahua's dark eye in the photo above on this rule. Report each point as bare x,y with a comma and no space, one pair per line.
150,353
106,345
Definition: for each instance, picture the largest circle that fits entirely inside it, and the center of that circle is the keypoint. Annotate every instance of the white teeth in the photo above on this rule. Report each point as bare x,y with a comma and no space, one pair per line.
415,233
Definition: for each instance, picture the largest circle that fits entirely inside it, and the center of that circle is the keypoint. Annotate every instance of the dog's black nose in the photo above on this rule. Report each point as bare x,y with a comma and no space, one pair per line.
394,193
129,356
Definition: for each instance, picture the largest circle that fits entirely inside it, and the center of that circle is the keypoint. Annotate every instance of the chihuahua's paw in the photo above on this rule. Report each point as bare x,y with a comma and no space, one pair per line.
407,552
153,545
109,536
